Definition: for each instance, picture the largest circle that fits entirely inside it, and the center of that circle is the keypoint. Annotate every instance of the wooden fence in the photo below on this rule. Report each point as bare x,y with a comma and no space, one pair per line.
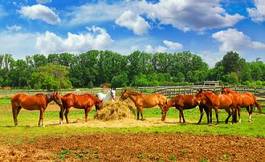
171,91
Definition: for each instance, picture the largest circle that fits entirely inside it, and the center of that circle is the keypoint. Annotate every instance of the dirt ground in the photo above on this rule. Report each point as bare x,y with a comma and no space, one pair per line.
137,147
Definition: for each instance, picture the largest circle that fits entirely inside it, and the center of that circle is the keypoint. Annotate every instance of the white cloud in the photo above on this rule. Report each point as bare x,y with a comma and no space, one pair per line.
150,49
190,15
43,1
172,45
133,22
14,28
232,39
95,38
97,12
185,15
168,46
257,14
17,43
40,12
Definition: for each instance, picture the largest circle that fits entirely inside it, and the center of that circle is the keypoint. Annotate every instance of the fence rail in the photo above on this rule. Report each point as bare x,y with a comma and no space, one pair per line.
171,91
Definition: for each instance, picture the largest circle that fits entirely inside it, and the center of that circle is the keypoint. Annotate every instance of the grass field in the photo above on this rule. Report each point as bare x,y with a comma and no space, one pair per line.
128,140
27,128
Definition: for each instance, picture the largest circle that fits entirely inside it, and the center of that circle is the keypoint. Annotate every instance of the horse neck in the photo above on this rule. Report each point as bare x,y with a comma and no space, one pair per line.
133,96
48,99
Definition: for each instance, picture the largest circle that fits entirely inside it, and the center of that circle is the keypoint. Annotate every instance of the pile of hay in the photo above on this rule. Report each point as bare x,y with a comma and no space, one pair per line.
116,110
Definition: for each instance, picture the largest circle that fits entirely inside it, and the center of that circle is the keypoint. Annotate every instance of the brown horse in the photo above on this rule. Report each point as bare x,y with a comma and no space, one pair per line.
84,101
181,102
246,99
38,101
216,102
142,101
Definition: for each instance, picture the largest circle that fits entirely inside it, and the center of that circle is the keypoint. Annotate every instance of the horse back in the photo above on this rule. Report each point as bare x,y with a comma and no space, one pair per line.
186,101
78,101
225,100
30,102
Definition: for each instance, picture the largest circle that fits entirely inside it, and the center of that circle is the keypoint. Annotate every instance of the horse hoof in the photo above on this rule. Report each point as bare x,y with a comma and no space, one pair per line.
239,121
61,123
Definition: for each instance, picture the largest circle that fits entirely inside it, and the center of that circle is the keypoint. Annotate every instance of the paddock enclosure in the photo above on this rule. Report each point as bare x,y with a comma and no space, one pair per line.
128,139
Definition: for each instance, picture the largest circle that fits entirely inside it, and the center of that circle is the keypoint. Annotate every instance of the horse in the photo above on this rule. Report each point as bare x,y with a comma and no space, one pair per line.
220,101
83,101
38,101
142,101
181,102
246,99
110,95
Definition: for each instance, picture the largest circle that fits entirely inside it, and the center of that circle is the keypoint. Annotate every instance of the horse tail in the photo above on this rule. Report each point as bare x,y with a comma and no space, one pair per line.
256,103
258,106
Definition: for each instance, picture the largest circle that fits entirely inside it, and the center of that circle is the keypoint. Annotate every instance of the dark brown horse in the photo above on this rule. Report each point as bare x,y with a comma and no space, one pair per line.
38,101
216,102
142,101
83,101
181,102
247,100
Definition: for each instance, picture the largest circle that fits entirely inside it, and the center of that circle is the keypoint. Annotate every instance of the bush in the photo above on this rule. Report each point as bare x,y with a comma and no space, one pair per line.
120,80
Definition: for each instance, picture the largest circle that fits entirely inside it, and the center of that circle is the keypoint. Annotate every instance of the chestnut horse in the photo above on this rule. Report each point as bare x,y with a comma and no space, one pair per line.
83,101
142,101
220,101
246,99
38,101
181,102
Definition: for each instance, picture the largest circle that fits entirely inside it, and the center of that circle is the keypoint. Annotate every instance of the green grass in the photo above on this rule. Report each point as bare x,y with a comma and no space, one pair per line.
4,100
28,130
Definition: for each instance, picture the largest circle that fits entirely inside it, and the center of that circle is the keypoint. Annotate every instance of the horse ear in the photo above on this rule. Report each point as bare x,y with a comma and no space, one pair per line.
199,90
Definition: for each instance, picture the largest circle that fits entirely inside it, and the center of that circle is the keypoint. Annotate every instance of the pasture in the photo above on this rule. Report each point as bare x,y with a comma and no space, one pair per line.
148,140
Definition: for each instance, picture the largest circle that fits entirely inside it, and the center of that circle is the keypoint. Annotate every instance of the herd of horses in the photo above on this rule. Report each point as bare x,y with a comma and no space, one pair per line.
207,100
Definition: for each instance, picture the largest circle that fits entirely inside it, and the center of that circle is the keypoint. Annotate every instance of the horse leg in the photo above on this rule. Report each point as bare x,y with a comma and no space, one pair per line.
182,114
66,115
207,114
216,114
250,113
201,112
141,111
41,117
234,117
229,115
61,114
14,111
86,112
239,118
210,114
138,114
179,116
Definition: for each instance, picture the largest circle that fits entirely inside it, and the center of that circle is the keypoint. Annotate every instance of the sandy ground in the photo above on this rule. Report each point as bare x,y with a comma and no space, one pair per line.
138,147
125,123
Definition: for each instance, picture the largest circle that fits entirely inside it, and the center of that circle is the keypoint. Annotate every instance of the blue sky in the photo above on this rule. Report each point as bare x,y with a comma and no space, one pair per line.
208,28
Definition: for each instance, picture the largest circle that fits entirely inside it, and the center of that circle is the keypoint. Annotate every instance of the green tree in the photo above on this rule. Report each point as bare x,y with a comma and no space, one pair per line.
120,80
51,76
20,74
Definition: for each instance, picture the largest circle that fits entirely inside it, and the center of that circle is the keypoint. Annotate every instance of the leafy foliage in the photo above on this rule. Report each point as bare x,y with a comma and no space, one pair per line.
95,67
50,76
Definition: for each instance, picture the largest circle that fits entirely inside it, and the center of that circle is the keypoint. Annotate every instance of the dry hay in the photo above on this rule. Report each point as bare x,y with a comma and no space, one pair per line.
115,110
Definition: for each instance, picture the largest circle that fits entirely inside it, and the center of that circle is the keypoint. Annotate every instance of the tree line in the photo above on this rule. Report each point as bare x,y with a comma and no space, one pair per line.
93,68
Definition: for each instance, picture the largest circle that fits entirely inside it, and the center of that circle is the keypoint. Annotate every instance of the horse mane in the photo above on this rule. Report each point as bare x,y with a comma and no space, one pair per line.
40,94
133,92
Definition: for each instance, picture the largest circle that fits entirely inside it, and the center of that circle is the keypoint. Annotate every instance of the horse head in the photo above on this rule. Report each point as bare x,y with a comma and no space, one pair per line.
226,90
112,93
124,95
98,103
55,96
200,96
165,108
